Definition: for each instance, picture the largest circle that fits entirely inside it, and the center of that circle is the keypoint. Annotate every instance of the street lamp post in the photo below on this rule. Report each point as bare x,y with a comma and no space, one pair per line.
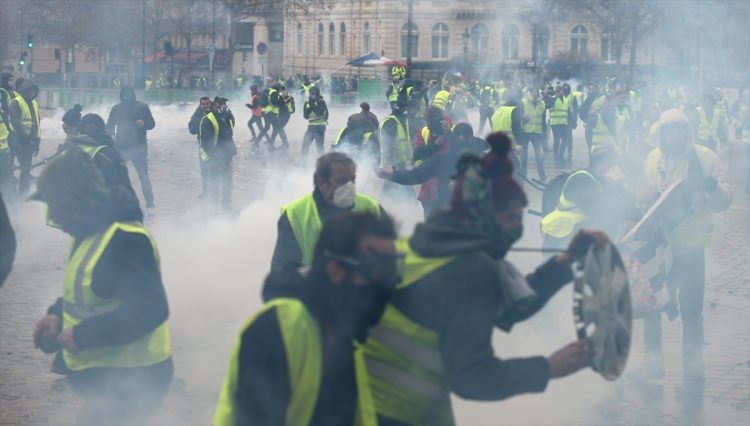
466,37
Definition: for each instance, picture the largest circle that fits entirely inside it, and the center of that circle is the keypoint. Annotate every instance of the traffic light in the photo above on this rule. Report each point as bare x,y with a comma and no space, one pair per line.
30,41
22,59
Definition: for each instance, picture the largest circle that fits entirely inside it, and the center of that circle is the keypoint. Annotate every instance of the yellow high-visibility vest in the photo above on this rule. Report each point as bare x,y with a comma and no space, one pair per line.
306,224
534,116
300,332
559,113
80,303
27,121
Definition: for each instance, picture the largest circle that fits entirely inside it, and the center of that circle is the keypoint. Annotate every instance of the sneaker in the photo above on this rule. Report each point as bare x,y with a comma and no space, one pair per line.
150,211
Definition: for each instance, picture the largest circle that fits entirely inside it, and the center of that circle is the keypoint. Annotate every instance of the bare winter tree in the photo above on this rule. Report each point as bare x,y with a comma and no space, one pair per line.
626,22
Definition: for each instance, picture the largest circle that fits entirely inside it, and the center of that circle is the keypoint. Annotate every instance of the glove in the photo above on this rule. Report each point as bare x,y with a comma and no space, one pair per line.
709,184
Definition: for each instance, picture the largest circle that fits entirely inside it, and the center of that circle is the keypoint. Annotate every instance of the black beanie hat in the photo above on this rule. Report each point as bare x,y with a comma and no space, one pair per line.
73,116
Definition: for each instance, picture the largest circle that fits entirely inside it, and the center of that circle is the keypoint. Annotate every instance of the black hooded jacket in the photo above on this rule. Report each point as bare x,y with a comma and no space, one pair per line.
462,309
122,118
128,270
263,389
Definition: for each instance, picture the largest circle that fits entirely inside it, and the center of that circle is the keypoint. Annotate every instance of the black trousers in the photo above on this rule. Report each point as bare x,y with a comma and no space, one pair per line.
485,115
537,142
316,134
279,129
219,180
256,121
688,278
562,136
270,121
138,155
24,152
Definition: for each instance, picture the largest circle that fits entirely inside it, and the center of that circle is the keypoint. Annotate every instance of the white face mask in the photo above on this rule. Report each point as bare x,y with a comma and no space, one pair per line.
343,196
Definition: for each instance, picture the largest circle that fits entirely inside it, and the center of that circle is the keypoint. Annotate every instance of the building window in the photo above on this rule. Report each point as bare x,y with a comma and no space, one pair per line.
331,39
608,47
342,39
320,39
276,32
480,37
300,47
366,38
540,42
579,39
440,40
510,42
414,40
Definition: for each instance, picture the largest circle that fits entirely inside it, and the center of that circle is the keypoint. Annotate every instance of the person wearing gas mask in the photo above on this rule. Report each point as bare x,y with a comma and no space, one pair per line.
25,131
129,121
301,220
704,191
298,361
435,337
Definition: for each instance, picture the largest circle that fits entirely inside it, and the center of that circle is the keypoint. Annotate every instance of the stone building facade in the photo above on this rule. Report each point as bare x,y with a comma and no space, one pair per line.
483,35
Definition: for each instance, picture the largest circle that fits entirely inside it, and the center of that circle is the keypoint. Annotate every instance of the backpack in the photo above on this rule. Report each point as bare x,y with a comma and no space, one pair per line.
264,98
552,192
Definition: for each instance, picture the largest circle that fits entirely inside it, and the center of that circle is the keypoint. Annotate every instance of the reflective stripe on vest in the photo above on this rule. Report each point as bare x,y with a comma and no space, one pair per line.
215,124
402,148
559,113
80,303
601,138
441,100
338,137
695,230
708,130
26,120
306,225
304,356
534,116
403,358
91,150
274,109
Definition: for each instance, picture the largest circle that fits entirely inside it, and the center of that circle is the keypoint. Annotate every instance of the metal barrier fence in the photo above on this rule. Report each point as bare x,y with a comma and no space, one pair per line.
50,98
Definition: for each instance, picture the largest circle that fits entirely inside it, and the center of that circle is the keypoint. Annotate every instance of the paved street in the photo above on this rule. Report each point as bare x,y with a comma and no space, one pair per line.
213,271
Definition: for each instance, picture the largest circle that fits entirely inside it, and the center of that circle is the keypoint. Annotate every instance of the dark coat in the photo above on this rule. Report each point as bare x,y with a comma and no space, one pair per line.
121,123
462,309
